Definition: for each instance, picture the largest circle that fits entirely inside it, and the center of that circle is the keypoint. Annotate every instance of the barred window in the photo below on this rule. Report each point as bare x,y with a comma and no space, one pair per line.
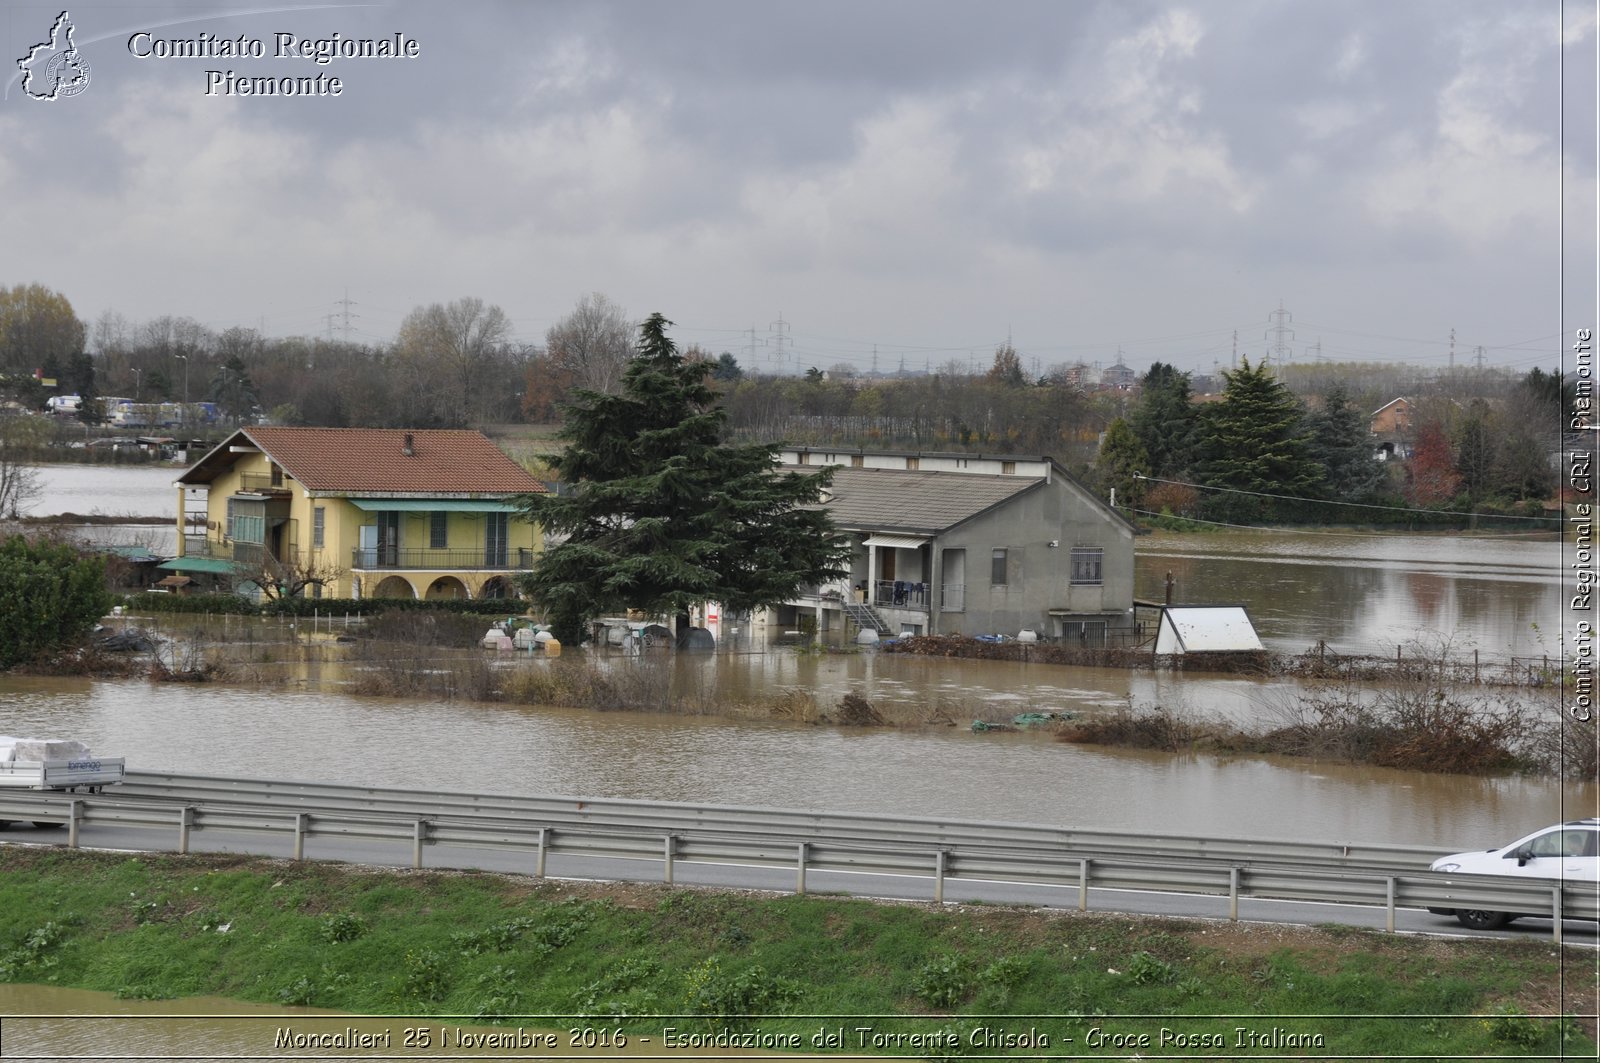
319,524
997,567
1086,564
438,529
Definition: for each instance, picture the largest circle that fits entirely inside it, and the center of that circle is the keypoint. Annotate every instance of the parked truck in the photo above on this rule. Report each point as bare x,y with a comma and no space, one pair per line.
56,764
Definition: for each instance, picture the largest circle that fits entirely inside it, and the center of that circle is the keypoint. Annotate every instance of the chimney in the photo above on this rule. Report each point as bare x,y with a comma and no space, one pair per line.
408,450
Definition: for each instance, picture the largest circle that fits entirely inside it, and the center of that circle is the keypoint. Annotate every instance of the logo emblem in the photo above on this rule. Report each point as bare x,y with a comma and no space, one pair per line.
55,69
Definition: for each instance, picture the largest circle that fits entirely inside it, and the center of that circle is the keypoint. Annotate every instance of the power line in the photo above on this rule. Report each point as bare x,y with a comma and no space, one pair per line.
1335,502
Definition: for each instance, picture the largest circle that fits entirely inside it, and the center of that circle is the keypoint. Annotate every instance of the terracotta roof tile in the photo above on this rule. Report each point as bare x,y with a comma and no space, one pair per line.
352,460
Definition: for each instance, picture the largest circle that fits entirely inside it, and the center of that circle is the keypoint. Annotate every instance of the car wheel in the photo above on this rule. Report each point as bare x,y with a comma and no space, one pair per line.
1474,919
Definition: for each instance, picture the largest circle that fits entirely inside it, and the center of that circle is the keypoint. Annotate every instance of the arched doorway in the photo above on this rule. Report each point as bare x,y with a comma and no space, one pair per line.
496,587
446,587
395,587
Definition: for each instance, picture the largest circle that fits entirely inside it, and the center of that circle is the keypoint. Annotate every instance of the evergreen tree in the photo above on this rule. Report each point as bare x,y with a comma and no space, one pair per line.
1122,462
1255,440
1342,443
1164,421
664,515
1475,451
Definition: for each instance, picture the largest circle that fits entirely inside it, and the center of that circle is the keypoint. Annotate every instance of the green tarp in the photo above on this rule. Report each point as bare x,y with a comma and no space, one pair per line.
218,565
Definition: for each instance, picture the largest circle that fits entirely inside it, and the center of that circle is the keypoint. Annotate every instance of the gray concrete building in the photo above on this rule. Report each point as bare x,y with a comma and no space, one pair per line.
972,545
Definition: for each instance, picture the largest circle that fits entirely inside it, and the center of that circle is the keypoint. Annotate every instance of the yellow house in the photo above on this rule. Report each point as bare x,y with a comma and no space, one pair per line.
361,513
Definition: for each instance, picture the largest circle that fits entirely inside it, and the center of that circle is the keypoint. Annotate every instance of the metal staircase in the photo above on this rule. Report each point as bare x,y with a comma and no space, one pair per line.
864,616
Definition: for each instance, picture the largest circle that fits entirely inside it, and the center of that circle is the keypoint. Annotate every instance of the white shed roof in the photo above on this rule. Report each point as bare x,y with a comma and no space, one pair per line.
1206,628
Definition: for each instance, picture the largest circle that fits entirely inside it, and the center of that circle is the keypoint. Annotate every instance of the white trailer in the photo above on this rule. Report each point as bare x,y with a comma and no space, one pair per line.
55,764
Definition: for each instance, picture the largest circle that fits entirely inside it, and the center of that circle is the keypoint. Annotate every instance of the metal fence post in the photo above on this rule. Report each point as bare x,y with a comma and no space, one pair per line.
1083,885
938,876
669,843
302,823
1233,894
800,879
419,834
544,842
1388,901
185,824
1555,912
74,816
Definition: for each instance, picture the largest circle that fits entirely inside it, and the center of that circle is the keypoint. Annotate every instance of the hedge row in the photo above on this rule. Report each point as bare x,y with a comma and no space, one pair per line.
235,605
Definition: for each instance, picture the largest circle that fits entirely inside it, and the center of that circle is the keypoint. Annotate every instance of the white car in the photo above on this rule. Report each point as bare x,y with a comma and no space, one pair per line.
1569,851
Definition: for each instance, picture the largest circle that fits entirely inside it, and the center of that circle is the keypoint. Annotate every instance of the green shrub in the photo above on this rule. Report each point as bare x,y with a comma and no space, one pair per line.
942,982
51,597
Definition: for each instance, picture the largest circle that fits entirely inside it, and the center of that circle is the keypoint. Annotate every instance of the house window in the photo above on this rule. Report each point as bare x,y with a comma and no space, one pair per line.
247,521
1086,564
1008,468
438,529
277,476
997,568
319,526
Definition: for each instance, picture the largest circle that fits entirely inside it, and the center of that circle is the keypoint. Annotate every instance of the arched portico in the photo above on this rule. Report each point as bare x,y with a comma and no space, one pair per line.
446,587
394,587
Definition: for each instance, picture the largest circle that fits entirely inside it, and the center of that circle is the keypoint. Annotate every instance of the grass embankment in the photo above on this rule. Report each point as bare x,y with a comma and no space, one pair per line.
487,947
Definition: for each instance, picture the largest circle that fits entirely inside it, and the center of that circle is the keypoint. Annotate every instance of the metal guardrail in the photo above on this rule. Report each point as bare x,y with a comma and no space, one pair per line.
669,834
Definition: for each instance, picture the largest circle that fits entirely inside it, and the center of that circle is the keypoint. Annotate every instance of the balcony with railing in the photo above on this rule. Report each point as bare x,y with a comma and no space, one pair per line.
235,550
366,559
260,483
900,594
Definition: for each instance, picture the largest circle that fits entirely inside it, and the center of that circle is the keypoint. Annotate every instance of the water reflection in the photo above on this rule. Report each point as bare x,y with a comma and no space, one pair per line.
937,771
1367,593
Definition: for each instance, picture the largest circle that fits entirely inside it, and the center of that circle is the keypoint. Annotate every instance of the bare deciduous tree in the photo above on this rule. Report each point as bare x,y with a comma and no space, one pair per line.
592,345
460,341
19,485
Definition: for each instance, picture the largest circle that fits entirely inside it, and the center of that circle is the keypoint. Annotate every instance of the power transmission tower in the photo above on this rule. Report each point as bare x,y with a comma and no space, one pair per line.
750,348
781,327
1279,331
1234,365
874,359
1480,358
1452,350
346,315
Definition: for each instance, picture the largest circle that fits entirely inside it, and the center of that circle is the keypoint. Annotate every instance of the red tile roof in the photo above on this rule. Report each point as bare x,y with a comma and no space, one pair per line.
353,460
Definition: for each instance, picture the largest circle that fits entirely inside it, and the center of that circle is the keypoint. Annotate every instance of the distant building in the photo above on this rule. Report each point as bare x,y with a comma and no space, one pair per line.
1393,427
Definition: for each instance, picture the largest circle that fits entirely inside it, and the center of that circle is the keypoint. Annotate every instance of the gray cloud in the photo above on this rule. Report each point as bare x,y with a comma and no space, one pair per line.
896,172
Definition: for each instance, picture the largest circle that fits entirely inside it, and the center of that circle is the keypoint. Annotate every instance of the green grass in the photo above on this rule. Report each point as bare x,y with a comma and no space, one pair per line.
480,947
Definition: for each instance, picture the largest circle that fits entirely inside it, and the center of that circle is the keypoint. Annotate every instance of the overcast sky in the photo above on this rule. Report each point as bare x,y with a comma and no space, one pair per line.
923,177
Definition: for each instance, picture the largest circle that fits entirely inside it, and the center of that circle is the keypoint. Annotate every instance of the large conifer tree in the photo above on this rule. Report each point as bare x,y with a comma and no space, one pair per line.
663,514
1164,421
1342,442
1254,443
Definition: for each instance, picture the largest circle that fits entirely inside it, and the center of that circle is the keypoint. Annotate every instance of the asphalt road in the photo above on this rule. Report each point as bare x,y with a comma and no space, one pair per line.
890,887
